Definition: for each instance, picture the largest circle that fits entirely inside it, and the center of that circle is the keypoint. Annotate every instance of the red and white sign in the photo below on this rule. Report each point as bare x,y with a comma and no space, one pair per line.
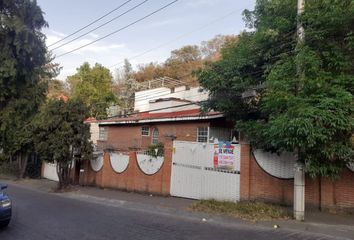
224,156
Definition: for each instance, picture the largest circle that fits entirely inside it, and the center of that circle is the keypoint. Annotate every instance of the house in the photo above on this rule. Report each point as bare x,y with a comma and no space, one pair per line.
167,119
122,161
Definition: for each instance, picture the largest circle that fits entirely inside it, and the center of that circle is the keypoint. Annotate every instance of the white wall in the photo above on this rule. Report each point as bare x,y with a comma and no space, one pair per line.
192,94
50,171
170,106
142,98
280,166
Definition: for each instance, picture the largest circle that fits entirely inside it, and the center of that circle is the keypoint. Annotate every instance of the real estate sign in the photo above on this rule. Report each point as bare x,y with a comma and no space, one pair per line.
224,156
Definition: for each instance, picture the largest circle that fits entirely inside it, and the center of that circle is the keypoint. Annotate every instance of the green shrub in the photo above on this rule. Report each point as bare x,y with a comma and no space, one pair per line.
152,150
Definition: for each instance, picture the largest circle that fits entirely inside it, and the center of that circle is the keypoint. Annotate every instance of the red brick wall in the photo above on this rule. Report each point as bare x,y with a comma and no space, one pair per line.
132,179
123,137
256,184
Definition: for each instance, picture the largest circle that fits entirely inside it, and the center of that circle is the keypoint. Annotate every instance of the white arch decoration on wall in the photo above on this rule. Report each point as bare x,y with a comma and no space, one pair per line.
119,161
280,166
148,164
351,166
97,163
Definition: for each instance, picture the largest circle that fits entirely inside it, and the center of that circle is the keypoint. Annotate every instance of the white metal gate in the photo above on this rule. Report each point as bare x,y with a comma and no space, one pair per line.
194,176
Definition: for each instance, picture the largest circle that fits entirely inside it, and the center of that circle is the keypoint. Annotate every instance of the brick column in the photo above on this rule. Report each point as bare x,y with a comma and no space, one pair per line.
245,170
100,175
132,172
105,169
167,167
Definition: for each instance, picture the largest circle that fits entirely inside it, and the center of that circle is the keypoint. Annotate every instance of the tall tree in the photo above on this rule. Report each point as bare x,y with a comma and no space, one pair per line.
125,87
149,71
211,49
22,57
257,84
62,137
183,62
93,85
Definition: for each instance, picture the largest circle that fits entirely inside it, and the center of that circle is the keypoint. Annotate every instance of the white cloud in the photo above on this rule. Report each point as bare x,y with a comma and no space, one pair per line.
101,52
162,23
93,35
56,33
94,48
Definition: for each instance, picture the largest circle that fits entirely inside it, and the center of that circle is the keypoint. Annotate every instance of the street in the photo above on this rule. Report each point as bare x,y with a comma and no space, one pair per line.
39,215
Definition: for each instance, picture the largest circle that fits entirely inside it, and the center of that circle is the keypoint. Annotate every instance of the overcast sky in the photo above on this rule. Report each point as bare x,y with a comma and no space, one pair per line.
196,20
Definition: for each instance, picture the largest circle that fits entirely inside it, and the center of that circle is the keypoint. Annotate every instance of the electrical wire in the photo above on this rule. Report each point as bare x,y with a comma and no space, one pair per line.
165,108
125,27
91,23
191,32
142,103
250,74
178,37
100,26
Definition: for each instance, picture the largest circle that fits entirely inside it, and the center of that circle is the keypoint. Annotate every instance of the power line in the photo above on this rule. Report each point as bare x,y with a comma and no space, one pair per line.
104,24
93,22
250,74
188,33
162,93
157,97
178,37
110,34
165,108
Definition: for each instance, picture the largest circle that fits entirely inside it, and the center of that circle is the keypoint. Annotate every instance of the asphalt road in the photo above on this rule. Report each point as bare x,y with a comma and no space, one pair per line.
39,215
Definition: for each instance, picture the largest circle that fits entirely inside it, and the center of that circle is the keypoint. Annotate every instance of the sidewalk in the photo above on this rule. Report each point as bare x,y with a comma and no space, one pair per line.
334,225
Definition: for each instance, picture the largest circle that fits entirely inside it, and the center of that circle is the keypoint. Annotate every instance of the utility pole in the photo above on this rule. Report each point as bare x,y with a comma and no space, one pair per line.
299,176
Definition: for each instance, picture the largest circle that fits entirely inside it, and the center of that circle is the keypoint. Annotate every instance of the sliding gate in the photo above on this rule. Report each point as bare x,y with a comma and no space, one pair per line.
195,175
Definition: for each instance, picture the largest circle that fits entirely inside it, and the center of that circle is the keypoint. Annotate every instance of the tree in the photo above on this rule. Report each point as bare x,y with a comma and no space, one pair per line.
149,71
187,53
62,137
257,83
122,75
23,57
211,49
125,87
183,62
56,89
94,87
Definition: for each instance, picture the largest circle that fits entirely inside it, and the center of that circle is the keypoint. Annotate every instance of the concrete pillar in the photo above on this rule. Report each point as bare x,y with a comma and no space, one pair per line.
299,192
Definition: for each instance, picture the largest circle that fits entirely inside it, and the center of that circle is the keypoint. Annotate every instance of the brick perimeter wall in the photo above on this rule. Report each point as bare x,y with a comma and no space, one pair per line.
132,179
256,184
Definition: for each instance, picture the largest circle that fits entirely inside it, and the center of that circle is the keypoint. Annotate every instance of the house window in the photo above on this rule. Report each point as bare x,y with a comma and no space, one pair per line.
145,131
155,136
202,134
102,133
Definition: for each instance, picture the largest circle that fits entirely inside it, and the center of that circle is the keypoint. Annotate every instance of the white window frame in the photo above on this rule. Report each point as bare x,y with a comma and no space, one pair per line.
153,137
143,132
102,133
207,134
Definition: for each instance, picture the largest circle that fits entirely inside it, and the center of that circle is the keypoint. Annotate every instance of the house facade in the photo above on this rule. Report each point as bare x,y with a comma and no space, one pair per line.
168,119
